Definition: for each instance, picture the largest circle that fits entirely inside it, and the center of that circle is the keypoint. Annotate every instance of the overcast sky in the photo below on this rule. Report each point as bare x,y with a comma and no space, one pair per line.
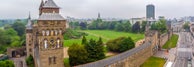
12,9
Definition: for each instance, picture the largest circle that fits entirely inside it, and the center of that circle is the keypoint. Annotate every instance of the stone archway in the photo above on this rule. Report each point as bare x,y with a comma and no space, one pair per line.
13,53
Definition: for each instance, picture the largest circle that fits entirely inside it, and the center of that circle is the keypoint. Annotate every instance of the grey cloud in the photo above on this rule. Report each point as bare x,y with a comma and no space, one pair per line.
108,8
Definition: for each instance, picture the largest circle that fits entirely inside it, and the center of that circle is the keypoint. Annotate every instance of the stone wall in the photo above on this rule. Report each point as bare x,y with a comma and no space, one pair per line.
131,58
163,38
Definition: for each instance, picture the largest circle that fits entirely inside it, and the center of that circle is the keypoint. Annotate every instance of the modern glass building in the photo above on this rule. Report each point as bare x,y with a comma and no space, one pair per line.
150,11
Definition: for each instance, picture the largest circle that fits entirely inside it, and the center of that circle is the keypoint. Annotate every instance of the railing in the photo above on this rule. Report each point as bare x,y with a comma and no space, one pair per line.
114,59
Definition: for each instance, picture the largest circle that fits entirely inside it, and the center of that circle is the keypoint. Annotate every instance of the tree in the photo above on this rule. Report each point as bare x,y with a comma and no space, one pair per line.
127,26
30,61
8,38
120,44
112,25
93,25
119,27
83,25
19,27
126,44
100,49
92,51
7,63
143,26
77,54
136,27
84,40
186,26
160,26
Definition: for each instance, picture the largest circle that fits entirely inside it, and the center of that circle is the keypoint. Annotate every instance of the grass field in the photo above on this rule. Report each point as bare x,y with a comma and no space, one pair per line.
1,27
172,42
105,35
153,62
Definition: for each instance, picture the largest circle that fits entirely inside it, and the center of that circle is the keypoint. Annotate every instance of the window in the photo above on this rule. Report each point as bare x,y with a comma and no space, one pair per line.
45,44
58,43
60,31
52,43
52,32
54,60
43,33
47,32
30,50
56,32
50,60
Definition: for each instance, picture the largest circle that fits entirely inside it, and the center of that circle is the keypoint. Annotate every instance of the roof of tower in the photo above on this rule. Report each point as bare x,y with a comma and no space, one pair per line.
50,16
29,24
41,4
50,4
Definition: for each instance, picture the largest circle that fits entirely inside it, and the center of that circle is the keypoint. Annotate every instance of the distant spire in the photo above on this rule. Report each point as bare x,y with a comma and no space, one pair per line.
29,17
98,15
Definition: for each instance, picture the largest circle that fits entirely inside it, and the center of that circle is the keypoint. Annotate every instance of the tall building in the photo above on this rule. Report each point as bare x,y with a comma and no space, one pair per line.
150,11
44,39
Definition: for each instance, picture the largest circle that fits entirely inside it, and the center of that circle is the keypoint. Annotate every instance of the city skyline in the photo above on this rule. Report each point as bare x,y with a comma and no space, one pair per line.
16,9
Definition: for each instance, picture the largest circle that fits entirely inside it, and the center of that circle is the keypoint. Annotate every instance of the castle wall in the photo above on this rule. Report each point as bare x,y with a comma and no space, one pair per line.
164,38
134,57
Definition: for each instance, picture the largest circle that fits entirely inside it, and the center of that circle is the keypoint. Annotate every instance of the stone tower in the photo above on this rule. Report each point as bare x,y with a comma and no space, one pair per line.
47,36
29,39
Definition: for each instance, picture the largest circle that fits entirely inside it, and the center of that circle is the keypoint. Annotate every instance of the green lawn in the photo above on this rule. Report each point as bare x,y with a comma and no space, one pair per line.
153,62
172,42
1,27
66,62
105,34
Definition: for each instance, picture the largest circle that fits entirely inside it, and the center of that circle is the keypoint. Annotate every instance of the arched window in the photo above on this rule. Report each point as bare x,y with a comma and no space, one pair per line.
58,43
54,59
45,44
60,32
52,32
49,60
43,33
52,43
47,32
56,32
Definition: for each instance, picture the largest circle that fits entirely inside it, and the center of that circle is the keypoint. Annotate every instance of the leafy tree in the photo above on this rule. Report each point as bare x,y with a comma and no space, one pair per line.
186,26
143,26
136,27
19,27
119,27
113,45
30,61
7,63
126,44
83,25
100,49
160,26
84,40
92,51
127,26
120,44
93,25
77,54
112,25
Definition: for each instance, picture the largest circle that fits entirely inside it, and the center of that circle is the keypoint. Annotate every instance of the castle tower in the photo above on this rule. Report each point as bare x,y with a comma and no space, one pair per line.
29,39
47,36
